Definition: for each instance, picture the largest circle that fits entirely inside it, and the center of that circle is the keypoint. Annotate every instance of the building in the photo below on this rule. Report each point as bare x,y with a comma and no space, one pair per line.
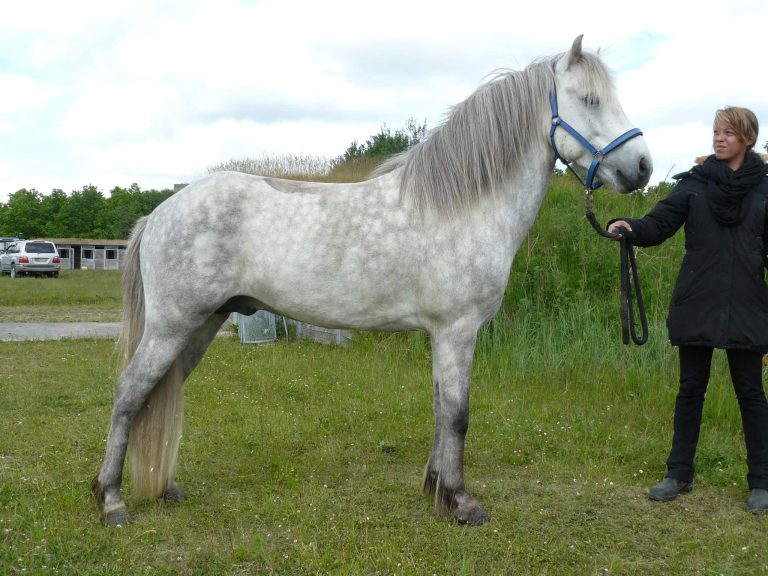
87,254
6,241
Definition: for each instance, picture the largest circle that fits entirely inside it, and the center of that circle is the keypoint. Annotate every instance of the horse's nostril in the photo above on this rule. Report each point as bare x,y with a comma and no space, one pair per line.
645,166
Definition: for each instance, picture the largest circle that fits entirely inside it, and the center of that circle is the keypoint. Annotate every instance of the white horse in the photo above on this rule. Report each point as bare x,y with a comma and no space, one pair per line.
426,244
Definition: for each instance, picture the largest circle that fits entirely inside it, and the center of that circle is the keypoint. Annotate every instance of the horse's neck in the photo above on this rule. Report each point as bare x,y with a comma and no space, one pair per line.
521,196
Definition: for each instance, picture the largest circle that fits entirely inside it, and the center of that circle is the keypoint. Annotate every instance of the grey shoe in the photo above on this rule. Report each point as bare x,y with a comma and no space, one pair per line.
758,500
669,489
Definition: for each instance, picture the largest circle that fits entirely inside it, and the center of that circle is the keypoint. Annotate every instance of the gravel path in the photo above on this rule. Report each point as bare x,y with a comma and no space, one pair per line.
19,331
58,330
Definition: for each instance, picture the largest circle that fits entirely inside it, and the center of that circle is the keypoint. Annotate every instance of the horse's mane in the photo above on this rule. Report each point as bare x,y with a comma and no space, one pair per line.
482,140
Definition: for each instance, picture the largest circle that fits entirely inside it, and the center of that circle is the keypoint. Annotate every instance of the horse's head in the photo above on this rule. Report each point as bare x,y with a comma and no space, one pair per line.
589,127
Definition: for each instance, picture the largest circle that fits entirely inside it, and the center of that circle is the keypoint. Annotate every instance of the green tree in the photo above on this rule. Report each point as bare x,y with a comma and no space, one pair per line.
119,213
24,214
359,160
148,200
52,205
83,214
124,207
78,216
385,143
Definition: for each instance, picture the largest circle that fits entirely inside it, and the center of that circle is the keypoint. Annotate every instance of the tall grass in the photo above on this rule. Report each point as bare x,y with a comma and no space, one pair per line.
559,329
301,167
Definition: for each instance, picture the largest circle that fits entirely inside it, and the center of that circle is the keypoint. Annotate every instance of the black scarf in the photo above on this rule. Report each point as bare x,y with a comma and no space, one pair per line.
726,188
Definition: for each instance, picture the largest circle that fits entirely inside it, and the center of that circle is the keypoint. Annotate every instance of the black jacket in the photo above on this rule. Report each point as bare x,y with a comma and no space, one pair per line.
720,299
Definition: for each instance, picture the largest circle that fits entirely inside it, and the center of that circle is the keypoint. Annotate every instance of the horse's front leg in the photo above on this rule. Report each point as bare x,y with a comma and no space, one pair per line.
429,485
452,353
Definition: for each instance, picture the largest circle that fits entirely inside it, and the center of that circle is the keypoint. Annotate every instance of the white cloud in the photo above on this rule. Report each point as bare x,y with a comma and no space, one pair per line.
20,94
112,93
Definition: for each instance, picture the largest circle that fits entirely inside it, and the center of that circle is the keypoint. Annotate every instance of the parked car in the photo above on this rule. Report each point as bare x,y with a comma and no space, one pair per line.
33,257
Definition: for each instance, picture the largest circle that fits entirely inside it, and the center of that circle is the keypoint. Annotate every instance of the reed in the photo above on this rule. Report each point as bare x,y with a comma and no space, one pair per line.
301,167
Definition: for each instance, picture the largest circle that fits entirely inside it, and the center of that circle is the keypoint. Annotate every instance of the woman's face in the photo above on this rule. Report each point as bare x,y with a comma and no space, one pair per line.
728,146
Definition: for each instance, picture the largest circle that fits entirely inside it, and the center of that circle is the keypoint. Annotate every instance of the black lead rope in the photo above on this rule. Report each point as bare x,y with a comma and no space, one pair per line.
627,298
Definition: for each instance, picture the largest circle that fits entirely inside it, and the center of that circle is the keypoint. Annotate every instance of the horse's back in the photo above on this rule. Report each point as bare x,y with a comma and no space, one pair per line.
333,253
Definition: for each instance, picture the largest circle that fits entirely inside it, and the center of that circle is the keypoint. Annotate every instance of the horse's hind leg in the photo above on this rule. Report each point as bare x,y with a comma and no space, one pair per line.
452,352
147,367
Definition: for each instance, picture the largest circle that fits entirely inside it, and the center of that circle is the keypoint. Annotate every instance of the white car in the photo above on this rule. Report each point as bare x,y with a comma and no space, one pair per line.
33,257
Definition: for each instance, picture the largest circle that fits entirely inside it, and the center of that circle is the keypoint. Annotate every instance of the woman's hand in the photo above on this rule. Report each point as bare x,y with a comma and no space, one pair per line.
614,228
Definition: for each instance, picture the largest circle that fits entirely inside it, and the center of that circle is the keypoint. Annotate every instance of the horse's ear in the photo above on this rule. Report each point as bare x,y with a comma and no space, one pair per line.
575,53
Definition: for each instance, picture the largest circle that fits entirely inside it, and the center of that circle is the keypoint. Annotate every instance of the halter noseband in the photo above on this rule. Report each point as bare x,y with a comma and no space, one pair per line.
597,155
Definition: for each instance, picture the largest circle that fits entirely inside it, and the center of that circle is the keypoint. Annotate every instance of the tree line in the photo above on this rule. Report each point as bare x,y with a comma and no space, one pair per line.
85,213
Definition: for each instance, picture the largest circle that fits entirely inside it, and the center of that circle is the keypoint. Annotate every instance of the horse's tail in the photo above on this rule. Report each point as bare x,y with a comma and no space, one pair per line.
156,430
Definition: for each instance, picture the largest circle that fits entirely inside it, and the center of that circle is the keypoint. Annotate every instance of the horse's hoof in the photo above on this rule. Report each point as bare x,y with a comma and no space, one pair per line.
472,515
174,494
116,518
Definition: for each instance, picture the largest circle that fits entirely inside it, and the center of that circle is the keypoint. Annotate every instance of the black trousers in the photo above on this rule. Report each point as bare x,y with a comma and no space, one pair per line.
747,377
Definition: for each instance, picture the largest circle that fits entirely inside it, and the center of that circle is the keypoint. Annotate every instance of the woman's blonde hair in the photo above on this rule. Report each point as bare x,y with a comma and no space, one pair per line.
742,121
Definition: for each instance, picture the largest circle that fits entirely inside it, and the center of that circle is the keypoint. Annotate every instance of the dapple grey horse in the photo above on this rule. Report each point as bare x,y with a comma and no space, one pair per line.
425,244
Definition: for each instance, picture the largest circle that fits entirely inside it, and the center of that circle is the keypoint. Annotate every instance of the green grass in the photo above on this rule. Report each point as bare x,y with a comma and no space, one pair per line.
76,296
300,458
305,459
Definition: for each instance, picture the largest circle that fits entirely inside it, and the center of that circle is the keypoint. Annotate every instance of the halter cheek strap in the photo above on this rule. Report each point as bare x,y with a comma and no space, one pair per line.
597,155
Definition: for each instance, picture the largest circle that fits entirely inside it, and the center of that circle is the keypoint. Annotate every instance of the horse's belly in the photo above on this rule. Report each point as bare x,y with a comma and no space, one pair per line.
333,298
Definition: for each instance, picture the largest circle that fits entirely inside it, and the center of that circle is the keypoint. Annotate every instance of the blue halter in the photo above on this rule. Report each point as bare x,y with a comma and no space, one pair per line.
597,155
628,261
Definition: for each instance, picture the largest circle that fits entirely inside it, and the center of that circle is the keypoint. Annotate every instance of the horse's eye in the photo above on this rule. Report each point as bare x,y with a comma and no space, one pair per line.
591,100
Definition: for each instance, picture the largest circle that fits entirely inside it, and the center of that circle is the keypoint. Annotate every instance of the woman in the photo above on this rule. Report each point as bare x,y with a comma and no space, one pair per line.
720,299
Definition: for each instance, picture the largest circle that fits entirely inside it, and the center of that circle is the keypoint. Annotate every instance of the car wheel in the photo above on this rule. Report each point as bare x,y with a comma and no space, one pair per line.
13,271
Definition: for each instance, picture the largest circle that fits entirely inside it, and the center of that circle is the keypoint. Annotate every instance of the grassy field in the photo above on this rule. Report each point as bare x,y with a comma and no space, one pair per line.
300,458
76,296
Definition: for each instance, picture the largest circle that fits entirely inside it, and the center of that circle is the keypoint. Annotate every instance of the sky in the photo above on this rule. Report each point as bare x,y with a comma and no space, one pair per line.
154,93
